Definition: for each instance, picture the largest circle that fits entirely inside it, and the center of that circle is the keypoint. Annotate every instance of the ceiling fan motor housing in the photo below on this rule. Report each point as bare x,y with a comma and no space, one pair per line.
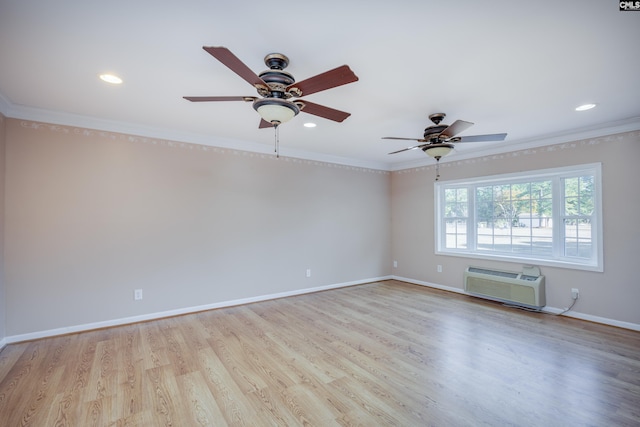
275,77
432,133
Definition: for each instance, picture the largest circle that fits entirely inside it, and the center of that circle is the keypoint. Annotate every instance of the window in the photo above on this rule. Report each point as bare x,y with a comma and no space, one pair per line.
549,217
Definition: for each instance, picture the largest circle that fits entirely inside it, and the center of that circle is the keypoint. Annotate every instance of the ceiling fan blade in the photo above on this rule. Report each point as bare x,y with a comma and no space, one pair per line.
404,139
225,56
219,98
264,124
409,148
483,138
327,80
322,111
455,128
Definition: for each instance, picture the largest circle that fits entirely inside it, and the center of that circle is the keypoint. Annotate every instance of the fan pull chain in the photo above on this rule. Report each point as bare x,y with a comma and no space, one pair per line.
277,140
437,169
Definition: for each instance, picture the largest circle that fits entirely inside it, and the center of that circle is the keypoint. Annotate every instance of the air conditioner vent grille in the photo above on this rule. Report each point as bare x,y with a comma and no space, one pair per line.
509,274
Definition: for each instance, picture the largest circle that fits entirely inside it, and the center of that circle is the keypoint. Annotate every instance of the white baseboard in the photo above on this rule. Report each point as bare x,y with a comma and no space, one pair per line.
187,310
430,285
176,312
547,309
595,319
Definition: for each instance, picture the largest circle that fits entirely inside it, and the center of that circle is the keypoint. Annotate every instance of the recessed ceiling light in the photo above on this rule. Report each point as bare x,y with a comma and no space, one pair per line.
585,107
111,78
309,125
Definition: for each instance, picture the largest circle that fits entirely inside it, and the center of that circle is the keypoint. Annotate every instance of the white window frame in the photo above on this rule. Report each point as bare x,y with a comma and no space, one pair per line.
557,176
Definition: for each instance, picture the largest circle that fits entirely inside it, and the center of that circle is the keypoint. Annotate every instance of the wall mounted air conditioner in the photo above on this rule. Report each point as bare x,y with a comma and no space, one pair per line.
524,288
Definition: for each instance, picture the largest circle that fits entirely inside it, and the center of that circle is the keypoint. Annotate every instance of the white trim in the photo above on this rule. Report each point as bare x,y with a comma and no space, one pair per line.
595,319
187,310
11,110
430,285
546,309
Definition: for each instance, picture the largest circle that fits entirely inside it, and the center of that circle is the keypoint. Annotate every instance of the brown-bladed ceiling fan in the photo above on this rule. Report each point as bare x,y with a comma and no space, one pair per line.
439,139
277,87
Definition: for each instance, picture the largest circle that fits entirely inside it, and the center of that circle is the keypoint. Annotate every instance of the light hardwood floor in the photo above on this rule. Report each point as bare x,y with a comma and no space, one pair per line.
385,353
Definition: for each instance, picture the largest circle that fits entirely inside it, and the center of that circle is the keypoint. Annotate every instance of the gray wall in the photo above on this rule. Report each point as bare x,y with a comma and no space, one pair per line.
613,294
91,216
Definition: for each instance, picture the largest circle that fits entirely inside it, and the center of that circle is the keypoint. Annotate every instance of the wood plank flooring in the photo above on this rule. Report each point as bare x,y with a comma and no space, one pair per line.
381,354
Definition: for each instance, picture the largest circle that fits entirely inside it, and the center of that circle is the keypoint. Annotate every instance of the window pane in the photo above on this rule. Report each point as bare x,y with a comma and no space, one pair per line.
578,238
456,234
522,239
502,243
579,196
456,203
542,241
484,206
586,195
484,237
579,206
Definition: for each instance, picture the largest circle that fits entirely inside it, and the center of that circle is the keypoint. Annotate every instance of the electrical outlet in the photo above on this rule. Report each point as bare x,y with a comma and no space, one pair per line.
395,264
439,268
575,293
137,294
308,272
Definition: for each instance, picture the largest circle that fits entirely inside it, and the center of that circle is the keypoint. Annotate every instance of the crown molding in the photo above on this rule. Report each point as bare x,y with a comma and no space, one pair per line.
11,110
22,112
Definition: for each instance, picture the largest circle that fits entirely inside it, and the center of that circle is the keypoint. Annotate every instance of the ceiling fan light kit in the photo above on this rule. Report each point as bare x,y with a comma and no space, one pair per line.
437,150
275,110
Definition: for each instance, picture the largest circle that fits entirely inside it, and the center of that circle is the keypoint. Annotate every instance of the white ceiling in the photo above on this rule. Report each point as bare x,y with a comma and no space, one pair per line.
507,66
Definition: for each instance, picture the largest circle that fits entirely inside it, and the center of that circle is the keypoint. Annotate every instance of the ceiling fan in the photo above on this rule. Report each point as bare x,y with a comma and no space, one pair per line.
277,87
438,139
